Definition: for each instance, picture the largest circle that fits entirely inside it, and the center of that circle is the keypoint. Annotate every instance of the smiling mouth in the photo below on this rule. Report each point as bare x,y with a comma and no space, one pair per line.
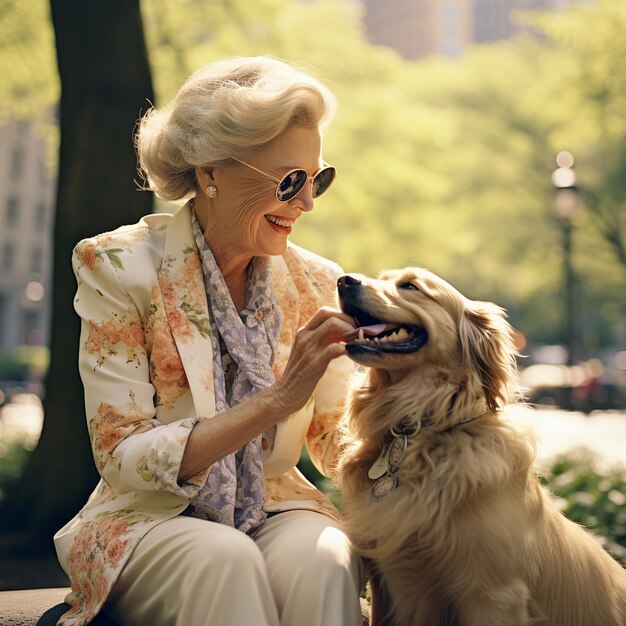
373,336
280,221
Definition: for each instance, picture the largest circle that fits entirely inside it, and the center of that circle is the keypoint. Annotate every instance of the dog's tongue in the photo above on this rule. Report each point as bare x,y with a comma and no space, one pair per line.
368,331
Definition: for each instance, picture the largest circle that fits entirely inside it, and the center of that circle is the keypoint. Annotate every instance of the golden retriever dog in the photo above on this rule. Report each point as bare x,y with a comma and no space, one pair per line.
440,492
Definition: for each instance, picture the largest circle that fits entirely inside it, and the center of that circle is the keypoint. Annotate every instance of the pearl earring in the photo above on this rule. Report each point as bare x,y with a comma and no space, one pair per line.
211,191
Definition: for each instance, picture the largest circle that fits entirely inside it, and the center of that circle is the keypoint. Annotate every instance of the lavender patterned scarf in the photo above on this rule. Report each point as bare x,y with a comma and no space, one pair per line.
243,353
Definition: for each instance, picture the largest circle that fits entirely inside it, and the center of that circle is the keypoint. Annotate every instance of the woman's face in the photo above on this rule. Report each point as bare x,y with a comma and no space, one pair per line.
245,219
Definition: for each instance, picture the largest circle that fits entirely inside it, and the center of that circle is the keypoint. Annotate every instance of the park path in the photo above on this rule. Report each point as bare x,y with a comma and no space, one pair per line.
558,431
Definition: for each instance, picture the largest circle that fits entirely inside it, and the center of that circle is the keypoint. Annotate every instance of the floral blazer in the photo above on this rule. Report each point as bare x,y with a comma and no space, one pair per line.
145,361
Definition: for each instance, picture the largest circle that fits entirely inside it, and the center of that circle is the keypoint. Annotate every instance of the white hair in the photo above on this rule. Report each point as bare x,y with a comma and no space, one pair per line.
226,109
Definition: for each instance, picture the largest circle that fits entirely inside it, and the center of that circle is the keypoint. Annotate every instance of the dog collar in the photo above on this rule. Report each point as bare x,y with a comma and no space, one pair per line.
467,420
384,469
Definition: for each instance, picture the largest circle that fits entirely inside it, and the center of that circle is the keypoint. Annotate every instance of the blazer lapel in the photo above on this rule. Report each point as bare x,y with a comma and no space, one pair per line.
288,300
182,286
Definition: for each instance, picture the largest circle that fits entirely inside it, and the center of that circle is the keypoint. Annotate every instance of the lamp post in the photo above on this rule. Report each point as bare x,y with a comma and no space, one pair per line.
565,202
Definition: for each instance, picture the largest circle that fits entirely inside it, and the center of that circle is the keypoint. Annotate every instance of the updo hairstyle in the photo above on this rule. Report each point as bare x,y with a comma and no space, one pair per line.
226,109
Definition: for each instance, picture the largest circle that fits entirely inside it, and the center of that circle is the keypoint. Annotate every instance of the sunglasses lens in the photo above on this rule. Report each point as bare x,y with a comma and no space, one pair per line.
289,186
323,180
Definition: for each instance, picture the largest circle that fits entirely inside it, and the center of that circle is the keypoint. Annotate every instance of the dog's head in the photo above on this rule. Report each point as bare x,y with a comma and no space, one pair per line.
411,318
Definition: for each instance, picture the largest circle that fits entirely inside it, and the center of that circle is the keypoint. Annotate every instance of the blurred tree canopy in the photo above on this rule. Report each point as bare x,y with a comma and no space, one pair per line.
442,163
27,60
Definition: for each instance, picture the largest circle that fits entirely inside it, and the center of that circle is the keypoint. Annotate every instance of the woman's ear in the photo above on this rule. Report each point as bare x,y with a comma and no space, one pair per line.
204,175
487,344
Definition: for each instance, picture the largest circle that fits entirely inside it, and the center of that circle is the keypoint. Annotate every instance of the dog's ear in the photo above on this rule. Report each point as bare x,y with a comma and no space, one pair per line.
488,347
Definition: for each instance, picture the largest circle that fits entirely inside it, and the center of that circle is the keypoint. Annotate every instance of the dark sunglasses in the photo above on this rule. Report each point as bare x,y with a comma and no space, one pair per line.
290,185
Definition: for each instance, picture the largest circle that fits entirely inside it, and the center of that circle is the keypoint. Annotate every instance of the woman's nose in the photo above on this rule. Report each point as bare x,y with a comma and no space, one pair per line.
305,199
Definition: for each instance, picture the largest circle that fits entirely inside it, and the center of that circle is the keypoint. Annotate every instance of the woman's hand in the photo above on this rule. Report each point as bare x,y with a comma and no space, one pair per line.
317,343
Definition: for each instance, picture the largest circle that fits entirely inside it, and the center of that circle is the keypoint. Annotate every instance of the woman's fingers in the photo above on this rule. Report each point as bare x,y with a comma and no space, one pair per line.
327,326
316,344
327,313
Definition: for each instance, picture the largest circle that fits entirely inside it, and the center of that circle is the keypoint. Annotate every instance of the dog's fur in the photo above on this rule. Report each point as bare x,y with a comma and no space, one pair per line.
469,537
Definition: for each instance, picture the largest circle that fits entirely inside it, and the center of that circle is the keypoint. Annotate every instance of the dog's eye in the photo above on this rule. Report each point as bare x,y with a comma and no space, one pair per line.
408,286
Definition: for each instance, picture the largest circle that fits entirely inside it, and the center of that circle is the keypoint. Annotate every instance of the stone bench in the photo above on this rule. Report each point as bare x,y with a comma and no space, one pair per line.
43,607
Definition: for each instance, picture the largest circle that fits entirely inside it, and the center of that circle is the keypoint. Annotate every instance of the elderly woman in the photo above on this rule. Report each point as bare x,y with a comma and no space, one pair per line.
208,355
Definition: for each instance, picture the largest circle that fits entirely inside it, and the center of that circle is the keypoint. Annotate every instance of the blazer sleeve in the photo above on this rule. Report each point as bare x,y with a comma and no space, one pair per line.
322,438
131,448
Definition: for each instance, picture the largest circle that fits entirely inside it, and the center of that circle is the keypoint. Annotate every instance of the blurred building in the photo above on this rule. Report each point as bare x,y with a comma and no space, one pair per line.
492,19
495,19
418,28
26,210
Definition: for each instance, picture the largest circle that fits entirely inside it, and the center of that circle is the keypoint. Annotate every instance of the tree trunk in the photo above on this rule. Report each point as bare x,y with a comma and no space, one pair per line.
105,82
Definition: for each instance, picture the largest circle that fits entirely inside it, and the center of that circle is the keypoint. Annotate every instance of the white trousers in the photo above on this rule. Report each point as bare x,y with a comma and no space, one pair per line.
297,571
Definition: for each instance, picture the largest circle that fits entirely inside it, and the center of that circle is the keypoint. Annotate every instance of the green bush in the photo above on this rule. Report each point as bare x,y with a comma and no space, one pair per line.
592,496
325,485
24,362
13,457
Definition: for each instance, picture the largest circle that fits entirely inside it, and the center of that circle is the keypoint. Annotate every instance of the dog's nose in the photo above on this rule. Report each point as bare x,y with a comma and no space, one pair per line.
345,282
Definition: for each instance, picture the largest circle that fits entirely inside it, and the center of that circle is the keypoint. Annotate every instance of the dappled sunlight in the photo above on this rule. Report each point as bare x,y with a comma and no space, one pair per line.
21,420
557,432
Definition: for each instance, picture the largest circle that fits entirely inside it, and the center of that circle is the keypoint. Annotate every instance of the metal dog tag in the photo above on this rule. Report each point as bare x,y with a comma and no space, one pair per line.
381,464
396,452
383,487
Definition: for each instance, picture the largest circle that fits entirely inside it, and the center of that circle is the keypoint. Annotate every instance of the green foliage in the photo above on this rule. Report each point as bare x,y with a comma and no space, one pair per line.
28,65
12,368
442,163
595,86
23,362
13,457
593,497
326,485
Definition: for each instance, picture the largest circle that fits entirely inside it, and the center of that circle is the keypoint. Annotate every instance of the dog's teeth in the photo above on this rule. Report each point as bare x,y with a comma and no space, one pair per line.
376,339
361,334
403,334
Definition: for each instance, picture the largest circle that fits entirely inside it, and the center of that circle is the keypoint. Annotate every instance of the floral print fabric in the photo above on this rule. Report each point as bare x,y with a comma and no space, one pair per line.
144,394
235,490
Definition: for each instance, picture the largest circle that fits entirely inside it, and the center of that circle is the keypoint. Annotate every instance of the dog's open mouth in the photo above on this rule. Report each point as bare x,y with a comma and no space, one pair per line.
375,336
